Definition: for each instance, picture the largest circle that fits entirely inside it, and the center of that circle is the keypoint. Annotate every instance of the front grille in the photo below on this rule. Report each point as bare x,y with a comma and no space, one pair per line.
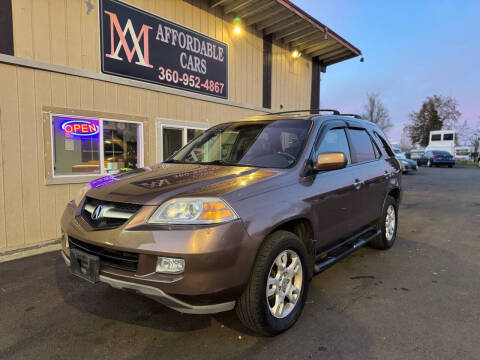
108,222
113,258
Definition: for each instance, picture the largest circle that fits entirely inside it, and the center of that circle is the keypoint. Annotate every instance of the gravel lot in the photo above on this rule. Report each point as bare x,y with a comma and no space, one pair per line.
420,300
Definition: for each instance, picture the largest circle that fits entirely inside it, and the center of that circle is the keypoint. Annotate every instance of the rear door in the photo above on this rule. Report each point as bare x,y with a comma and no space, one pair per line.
369,180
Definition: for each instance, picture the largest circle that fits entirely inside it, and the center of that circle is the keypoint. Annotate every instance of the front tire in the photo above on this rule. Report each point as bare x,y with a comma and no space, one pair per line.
275,294
388,224
429,163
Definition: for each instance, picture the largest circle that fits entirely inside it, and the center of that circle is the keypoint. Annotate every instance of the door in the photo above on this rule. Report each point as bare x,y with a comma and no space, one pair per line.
370,178
330,191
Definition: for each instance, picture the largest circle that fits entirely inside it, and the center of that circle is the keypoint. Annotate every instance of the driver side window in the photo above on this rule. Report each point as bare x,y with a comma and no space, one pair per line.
335,140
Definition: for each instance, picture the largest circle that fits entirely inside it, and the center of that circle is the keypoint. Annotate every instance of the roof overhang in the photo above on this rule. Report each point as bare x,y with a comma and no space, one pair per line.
292,26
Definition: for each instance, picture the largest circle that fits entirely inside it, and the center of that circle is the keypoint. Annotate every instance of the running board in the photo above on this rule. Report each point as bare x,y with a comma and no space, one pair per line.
338,254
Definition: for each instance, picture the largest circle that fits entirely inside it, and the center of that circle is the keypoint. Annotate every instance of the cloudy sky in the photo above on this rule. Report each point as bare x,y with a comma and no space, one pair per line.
412,49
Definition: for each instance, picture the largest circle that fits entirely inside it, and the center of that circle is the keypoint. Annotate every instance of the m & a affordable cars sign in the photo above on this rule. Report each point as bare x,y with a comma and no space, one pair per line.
141,46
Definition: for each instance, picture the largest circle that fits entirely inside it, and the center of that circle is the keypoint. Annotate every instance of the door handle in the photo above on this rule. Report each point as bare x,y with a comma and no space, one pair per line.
358,183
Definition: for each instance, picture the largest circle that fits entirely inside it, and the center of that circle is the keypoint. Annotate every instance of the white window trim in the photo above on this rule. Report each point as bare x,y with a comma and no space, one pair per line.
80,178
175,124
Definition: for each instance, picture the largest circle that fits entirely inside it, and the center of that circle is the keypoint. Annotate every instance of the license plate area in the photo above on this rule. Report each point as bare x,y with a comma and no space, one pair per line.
84,265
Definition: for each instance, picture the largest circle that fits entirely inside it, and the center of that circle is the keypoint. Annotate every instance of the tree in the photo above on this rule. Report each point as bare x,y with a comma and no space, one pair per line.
405,143
474,139
376,112
437,112
426,120
447,110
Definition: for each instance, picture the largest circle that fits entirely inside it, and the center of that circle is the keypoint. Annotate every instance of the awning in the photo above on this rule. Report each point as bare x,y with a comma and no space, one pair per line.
292,26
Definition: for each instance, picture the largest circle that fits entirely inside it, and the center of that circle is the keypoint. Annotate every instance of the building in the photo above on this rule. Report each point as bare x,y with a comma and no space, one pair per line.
90,87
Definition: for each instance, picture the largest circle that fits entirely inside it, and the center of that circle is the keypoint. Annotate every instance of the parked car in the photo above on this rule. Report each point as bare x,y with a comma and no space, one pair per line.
242,227
416,154
437,158
408,165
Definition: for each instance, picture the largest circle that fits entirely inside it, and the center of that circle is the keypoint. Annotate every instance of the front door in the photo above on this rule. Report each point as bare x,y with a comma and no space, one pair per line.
330,191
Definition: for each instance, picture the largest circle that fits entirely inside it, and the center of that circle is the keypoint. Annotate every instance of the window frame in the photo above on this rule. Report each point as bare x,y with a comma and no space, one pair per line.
372,141
88,176
177,125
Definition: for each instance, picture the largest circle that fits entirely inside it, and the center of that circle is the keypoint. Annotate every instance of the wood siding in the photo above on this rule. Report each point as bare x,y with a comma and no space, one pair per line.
61,32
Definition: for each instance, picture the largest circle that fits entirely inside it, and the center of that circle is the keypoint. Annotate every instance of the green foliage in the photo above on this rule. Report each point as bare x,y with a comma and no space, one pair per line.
436,113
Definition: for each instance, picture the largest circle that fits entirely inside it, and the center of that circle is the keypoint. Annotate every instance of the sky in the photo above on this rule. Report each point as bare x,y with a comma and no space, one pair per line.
412,49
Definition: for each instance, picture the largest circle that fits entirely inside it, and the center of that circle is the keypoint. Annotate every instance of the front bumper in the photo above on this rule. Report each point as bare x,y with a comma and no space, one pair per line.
160,296
218,260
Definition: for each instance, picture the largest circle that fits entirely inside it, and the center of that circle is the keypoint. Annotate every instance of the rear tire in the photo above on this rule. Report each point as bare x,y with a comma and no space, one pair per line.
450,166
260,307
388,225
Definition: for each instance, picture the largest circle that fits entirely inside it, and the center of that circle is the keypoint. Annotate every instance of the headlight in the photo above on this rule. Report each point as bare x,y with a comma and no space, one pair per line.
193,211
78,199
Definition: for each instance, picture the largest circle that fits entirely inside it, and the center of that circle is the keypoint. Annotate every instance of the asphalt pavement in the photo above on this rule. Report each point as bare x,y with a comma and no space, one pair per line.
419,300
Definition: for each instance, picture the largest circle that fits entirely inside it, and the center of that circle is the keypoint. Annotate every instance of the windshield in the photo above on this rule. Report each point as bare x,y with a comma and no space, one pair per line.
271,144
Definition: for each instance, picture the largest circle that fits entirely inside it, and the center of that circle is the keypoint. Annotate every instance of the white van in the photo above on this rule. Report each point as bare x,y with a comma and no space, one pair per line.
442,140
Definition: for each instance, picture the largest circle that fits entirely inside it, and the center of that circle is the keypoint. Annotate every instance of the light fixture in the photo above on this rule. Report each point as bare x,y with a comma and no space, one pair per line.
296,53
237,30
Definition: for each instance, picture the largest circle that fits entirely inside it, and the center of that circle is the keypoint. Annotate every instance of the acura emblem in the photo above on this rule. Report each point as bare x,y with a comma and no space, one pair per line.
99,211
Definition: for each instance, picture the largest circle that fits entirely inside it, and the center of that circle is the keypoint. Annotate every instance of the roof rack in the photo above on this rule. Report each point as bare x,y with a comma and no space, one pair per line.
354,115
311,111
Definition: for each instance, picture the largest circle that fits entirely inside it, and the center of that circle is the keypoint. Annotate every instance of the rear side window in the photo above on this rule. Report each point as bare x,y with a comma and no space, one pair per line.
436,137
386,147
448,136
362,147
335,140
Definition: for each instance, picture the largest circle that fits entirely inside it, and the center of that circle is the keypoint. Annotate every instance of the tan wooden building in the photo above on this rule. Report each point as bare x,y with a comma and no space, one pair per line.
91,87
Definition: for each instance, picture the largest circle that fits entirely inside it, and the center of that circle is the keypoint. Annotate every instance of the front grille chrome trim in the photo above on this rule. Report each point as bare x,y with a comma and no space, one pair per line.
110,213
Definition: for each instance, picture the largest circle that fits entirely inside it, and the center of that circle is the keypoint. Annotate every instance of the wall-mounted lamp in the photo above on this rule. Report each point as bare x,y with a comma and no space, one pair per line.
296,54
237,26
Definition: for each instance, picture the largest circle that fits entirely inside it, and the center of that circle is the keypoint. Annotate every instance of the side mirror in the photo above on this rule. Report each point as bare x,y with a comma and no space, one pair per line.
330,161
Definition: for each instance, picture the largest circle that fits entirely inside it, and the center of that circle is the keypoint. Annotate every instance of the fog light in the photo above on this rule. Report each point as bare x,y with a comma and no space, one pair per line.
170,265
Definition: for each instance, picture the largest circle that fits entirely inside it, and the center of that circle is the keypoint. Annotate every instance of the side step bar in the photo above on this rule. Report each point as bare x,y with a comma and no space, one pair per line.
343,251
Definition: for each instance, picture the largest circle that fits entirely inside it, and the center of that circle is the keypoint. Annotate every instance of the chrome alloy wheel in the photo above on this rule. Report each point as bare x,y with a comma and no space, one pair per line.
284,283
390,222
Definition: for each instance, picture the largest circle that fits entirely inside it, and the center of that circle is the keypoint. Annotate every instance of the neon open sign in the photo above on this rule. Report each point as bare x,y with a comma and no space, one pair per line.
80,128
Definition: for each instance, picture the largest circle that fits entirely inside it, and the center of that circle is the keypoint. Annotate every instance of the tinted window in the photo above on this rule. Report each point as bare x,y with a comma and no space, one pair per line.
335,141
275,144
385,145
362,147
447,136
436,137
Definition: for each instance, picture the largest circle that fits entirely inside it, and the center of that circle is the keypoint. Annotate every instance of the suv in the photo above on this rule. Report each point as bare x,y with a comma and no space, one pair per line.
240,218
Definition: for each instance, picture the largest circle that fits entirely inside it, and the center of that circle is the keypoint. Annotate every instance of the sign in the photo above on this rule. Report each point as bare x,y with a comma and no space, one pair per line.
80,128
141,46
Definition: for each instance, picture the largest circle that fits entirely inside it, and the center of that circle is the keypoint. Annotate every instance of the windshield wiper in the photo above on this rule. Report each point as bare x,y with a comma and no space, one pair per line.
173,161
216,162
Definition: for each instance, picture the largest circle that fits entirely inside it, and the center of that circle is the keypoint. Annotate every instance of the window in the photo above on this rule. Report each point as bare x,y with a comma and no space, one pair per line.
335,141
448,136
172,141
176,134
436,137
83,146
385,145
275,144
362,147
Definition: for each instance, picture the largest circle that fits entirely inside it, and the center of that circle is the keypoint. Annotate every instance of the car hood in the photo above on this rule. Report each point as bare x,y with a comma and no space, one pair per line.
153,185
